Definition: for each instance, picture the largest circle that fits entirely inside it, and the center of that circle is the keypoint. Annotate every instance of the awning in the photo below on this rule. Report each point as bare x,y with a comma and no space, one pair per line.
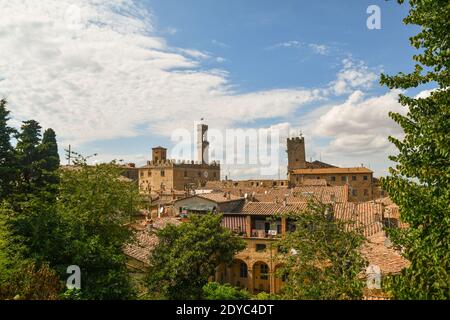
236,224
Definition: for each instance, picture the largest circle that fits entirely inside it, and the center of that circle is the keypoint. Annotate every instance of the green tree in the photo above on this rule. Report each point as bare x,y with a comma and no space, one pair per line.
49,163
217,291
7,163
28,157
419,182
321,258
187,256
95,204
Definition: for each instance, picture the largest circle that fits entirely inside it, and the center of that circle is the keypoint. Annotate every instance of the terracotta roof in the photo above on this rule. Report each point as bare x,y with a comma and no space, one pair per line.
366,215
378,252
332,170
146,241
140,250
219,197
271,208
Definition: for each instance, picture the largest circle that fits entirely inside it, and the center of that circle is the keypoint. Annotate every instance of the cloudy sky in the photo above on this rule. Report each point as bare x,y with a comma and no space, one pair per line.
117,77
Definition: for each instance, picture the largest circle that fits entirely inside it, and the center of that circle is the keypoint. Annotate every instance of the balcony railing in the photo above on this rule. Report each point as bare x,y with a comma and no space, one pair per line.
263,234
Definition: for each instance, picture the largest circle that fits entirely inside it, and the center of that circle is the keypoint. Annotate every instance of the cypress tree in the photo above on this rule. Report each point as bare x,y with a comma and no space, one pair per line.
7,169
49,162
28,157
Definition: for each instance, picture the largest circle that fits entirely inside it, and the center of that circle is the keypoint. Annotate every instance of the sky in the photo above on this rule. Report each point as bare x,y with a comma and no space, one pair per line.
118,77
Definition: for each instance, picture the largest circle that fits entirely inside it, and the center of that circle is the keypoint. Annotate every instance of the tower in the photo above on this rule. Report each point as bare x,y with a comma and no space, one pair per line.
296,153
202,144
159,154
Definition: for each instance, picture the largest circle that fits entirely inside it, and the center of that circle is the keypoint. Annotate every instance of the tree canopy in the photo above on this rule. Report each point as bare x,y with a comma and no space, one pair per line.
419,183
321,259
188,255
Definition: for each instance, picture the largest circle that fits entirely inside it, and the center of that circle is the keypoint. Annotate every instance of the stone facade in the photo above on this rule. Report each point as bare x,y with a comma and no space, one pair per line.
296,153
359,180
169,175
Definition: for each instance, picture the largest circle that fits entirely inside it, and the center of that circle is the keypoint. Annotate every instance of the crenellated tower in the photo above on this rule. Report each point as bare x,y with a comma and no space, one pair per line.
296,153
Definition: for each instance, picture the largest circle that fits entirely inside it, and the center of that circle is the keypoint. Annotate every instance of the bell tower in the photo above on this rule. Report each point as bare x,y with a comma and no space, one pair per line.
202,144
296,153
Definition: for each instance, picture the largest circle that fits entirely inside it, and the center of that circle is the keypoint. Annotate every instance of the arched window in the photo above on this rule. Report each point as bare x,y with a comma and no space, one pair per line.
264,271
243,271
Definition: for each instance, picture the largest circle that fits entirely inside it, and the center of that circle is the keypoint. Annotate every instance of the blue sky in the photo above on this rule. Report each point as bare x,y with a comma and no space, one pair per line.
119,77
248,29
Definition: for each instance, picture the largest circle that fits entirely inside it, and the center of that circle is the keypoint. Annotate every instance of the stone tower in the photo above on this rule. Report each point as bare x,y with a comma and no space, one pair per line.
202,144
159,154
296,153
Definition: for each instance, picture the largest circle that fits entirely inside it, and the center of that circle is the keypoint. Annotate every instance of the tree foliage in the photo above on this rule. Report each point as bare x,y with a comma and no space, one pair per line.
420,181
217,291
187,256
7,165
94,205
54,218
321,258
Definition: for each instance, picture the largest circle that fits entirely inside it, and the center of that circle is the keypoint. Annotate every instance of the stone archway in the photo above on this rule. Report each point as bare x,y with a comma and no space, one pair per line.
261,277
239,274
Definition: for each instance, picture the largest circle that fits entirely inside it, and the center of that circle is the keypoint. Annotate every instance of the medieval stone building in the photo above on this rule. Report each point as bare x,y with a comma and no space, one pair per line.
162,174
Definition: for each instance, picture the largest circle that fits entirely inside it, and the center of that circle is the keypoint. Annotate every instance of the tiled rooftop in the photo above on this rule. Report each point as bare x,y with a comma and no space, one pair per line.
271,208
220,197
378,252
332,170
146,241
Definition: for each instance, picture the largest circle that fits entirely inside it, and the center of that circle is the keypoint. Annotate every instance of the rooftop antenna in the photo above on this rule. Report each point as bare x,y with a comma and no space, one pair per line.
69,155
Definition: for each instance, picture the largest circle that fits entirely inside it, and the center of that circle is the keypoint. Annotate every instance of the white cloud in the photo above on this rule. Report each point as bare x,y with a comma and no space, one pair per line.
353,75
319,48
219,43
94,69
354,132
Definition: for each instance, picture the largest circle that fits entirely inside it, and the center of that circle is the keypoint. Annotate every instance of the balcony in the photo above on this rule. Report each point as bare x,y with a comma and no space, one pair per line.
265,234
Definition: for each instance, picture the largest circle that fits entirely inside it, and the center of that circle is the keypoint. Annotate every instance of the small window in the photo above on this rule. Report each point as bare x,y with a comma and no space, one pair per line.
264,271
282,183
163,173
185,174
354,192
343,178
215,174
382,193
142,174
260,247
354,178
333,178
366,178
366,192
199,174
243,271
